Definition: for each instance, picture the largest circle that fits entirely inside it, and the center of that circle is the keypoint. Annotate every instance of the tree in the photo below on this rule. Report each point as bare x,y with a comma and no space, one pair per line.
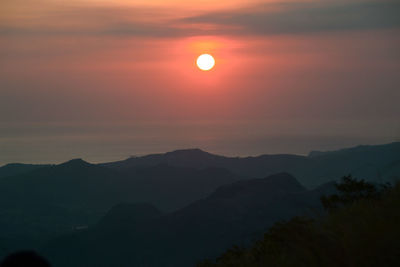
351,190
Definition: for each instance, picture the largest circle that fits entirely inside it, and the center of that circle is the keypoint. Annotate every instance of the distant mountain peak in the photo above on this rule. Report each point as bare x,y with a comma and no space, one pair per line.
192,154
189,151
75,163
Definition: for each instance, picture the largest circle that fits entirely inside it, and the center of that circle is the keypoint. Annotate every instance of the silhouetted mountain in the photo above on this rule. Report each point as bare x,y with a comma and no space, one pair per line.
369,162
78,184
170,187
58,199
376,163
373,163
362,231
391,171
235,213
74,163
18,168
196,158
41,202
74,184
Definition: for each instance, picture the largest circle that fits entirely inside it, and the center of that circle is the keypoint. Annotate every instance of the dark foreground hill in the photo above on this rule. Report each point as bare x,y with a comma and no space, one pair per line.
53,200
364,232
77,184
41,202
233,214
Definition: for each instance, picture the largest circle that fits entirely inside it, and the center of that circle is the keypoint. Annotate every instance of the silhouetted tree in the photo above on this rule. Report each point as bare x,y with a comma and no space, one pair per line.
351,190
363,233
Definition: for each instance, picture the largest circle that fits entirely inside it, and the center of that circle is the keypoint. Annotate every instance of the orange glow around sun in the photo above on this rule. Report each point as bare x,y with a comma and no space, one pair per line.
184,60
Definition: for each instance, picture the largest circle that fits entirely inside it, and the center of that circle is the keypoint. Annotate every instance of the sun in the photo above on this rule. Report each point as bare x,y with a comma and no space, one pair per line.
205,62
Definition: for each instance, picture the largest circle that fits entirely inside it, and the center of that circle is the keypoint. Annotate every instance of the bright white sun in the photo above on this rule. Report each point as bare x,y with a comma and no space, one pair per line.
205,62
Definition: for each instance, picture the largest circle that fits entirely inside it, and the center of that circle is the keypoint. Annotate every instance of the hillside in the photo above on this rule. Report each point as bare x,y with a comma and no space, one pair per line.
375,163
219,200
234,213
364,233
43,203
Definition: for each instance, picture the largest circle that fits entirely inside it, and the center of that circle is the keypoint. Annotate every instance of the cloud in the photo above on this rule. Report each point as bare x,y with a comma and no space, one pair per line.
307,17
262,19
48,18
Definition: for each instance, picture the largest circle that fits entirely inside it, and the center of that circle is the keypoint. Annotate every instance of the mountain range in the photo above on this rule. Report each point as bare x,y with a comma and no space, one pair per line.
141,235
372,162
186,201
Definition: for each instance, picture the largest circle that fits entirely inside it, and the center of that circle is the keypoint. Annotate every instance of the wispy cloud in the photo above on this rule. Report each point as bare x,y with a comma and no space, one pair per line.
307,17
55,19
269,18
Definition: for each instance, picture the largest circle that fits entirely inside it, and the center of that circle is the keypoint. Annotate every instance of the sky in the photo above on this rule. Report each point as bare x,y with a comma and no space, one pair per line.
103,80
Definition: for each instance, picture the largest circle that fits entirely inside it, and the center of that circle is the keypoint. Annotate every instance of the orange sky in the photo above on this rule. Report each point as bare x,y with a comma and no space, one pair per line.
319,63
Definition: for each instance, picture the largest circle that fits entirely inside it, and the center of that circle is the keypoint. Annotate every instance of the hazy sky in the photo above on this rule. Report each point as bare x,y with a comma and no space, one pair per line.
105,79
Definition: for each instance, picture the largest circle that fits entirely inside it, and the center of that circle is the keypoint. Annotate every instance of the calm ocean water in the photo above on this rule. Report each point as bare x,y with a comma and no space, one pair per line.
56,143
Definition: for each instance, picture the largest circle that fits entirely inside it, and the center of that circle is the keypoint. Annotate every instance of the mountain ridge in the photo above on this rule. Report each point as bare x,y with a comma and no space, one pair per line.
311,170
203,228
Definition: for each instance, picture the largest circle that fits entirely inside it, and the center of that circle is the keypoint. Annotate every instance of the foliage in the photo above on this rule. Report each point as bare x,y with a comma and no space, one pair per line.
351,190
363,231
